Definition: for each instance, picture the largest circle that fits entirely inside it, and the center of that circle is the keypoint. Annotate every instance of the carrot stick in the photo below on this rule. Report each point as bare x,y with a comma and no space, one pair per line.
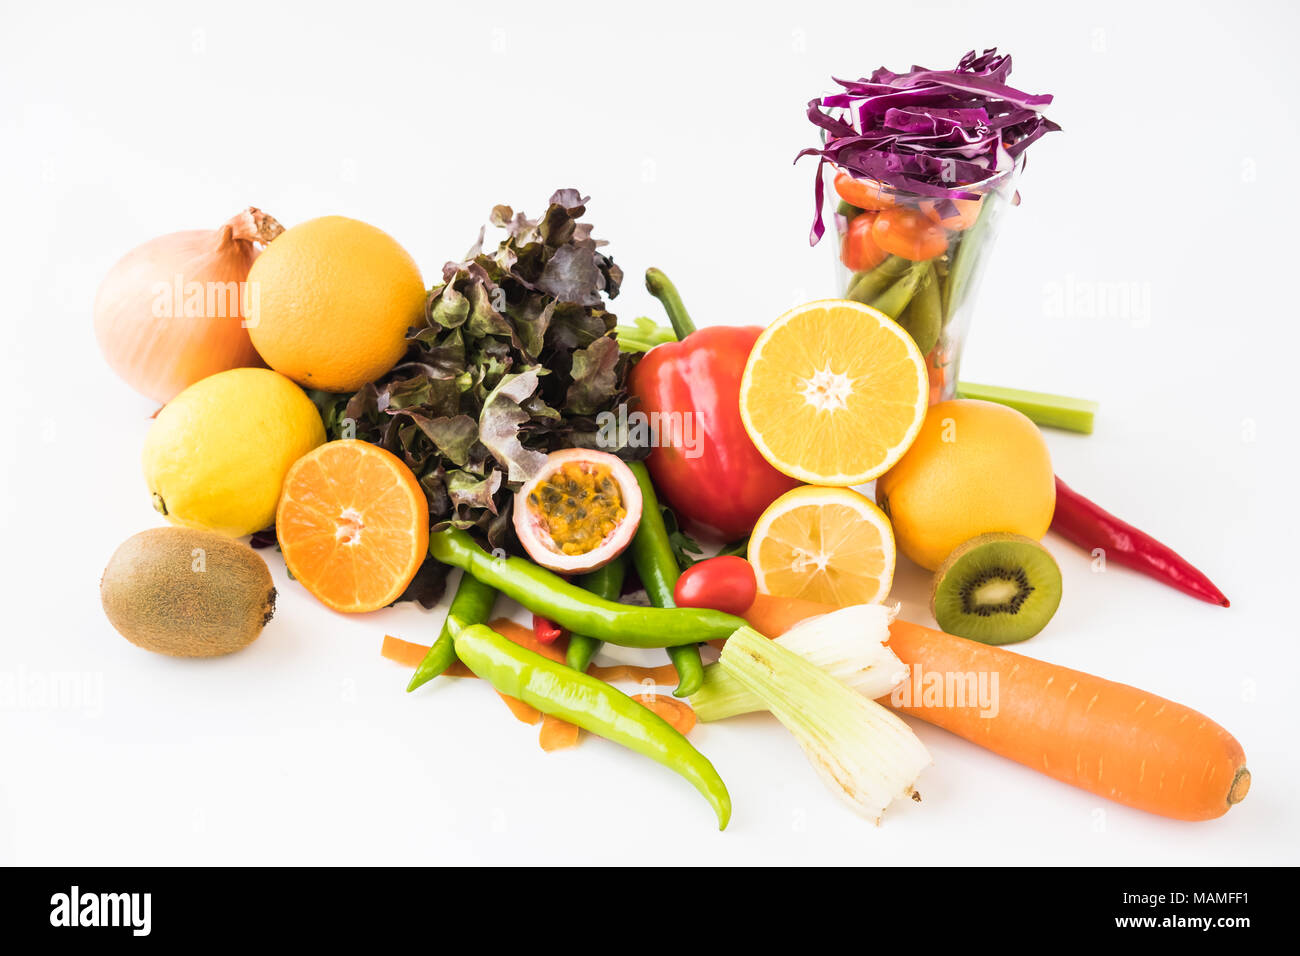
676,712
1108,738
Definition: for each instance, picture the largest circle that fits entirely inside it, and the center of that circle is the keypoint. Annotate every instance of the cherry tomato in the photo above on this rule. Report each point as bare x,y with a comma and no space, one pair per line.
725,583
908,233
858,251
968,210
863,193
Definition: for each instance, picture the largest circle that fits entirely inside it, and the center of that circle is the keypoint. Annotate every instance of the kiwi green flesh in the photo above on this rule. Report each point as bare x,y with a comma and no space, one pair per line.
997,589
187,593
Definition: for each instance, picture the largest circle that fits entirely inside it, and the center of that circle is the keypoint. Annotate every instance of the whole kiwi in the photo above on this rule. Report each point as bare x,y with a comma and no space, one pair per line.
187,593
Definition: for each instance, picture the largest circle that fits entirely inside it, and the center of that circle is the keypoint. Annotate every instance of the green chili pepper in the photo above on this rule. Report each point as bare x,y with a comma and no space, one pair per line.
866,286
605,582
656,566
472,604
894,300
576,610
592,704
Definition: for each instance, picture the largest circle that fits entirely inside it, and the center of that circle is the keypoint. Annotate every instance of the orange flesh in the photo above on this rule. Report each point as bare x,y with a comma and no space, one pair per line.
353,525
577,507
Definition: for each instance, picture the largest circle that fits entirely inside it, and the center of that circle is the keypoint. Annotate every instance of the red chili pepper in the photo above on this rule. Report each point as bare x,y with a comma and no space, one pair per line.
1091,527
546,631
711,473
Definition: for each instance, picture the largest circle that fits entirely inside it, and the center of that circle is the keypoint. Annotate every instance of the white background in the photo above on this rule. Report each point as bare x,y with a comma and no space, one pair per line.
1174,178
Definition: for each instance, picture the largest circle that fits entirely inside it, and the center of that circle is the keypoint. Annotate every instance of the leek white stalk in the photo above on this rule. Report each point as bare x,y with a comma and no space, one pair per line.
862,751
849,644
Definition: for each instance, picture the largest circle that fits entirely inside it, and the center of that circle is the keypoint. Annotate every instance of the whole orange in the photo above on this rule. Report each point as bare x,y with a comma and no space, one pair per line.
330,301
975,467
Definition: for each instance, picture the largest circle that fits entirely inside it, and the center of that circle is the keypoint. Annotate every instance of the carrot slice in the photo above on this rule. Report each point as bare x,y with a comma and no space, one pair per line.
403,652
558,734
526,713
665,675
676,712
525,637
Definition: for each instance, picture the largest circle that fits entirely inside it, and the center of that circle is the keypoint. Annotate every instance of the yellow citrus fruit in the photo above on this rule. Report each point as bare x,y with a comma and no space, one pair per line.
330,301
975,468
823,544
833,392
216,455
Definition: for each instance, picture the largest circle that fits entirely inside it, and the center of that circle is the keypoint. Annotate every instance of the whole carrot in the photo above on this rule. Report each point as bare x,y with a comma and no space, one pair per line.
1111,739
1108,738
1091,527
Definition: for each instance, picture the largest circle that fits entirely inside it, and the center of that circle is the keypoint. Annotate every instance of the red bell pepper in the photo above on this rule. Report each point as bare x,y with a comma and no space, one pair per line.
717,480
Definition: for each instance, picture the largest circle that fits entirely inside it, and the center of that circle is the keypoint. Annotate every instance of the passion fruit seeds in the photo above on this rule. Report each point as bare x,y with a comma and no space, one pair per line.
579,511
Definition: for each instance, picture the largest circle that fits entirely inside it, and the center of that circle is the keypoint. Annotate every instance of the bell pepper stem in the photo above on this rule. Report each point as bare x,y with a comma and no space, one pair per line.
659,286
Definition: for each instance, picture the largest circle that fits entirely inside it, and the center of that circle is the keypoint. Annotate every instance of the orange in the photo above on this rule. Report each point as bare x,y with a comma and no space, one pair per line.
830,545
353,524
975,468
330,302
833,393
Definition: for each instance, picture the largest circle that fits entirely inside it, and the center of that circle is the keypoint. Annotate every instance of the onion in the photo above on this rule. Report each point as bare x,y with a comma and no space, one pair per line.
171,311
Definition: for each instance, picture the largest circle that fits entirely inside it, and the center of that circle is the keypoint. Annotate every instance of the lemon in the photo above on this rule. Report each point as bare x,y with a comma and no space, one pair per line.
216,455
330,302
823,544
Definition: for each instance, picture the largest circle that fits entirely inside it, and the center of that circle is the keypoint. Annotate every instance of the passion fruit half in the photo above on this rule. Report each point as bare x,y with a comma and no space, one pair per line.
579,512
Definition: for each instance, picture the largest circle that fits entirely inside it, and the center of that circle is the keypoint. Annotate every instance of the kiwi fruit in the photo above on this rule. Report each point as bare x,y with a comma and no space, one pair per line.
997,589
187,593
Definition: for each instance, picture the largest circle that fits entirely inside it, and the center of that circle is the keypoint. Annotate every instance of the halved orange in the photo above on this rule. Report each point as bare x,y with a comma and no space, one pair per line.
831,545
834,392
353,525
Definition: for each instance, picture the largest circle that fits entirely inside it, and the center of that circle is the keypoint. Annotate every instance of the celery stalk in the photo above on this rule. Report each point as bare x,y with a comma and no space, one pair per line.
644,335
849,644
1042,408
864,753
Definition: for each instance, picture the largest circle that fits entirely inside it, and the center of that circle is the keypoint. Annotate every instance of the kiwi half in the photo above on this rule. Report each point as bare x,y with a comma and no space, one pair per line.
997,589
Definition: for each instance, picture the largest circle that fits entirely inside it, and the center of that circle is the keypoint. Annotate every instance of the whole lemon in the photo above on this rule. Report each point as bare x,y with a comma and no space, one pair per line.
975,467
330,301
216,455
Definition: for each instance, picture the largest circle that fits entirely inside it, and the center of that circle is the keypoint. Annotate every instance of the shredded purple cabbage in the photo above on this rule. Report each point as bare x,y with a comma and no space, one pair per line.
929,132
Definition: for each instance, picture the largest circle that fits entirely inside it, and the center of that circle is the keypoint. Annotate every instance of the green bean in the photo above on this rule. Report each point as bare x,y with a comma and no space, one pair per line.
605,582
591,704
894,300
472,604
923,317
866,286
577,611
965,259
656,566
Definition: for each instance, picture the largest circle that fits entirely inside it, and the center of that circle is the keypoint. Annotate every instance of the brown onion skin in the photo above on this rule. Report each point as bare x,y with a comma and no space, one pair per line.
161,355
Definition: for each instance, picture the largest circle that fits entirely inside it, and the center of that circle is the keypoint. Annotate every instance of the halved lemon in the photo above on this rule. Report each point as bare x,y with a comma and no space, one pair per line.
834,392
831,545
